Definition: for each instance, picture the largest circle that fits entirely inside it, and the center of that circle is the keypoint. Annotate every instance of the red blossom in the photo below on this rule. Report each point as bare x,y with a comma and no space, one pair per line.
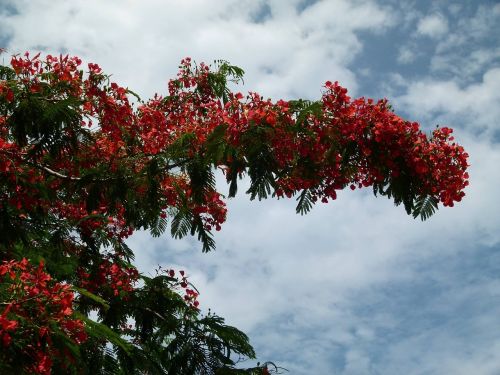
151,147
37,303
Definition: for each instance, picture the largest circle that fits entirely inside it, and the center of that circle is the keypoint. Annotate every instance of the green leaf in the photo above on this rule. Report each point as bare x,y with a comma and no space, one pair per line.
92,296
216,144
304,109
203,235
305,203
425,207
181,223
60,338
102,331
232,337
201,178
159,227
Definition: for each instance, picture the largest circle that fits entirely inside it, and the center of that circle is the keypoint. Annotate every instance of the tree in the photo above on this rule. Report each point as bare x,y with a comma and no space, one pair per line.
85,162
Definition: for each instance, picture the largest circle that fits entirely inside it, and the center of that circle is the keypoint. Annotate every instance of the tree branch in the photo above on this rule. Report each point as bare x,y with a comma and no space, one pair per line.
57,174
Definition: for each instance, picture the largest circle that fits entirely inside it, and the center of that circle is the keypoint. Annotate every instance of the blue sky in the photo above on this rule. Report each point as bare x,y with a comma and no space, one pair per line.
356,286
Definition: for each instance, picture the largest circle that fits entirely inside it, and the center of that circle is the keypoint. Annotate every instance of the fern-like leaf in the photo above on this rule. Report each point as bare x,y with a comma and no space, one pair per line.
304,204
425,207
181,224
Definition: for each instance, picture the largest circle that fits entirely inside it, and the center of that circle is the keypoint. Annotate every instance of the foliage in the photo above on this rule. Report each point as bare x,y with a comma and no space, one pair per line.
82,167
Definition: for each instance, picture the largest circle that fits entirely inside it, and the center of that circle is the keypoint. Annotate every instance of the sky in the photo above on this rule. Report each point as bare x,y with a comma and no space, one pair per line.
356,286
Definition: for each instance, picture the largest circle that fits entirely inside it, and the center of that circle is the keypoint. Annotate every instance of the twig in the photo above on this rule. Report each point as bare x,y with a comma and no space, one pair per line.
57,174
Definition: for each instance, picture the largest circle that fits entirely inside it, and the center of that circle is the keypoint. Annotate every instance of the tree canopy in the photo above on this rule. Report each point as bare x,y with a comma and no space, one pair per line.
85,162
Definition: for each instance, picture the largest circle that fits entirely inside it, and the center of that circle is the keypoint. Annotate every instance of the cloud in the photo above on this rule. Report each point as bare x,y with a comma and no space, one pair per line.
432,336
434,26
472,46
462,46
406,55
468,66
142,42
474,106
356,286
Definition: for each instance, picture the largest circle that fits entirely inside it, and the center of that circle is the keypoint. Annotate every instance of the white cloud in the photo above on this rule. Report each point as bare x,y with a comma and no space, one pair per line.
406,55
434,26
474,106
471,48
483,23
141,42
468,66
465,45
318,282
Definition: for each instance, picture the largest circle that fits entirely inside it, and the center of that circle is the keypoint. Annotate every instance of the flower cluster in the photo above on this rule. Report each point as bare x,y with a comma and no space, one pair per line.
37,309
345,142
212,210
110,278
190,295
340,142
